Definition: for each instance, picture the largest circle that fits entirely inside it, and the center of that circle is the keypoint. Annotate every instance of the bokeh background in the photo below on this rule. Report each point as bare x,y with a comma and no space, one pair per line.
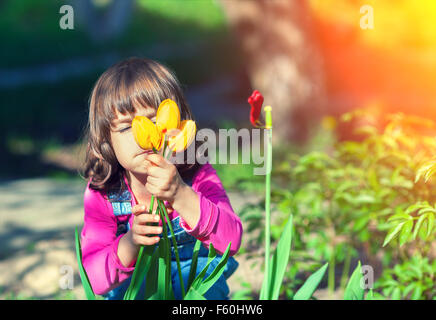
311,60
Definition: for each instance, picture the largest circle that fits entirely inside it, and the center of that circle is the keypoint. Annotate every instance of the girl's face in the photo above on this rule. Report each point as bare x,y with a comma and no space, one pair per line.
130,156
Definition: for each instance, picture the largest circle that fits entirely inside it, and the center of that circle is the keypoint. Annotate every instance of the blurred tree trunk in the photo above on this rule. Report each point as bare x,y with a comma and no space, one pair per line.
282,62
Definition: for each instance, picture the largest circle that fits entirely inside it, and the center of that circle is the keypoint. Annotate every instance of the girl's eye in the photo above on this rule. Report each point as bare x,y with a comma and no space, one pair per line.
125,129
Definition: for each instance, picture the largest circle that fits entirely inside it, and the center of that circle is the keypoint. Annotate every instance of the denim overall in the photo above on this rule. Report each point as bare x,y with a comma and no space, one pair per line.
122,209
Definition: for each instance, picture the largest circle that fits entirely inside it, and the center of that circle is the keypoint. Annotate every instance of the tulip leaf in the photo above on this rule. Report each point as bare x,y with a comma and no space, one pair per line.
163,210
216,273
151,278
309,287
193,295
280,260
197,281
264,289
83,276
164,258
354,290
141,268
278,264
194,263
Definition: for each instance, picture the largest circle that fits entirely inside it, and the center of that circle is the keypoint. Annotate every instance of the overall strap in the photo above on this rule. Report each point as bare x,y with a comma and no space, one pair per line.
122,208
121,202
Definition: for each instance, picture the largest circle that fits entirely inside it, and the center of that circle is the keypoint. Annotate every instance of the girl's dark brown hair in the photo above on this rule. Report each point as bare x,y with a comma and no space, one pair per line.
129,83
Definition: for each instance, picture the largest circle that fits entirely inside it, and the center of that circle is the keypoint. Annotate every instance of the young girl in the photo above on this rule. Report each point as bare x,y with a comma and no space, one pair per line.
122,177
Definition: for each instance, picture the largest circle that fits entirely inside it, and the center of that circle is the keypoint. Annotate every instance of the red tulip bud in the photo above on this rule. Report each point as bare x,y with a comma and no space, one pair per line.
256,101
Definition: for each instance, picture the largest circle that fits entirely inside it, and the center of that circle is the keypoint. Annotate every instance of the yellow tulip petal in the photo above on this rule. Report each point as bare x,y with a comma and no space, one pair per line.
146,133
184,138
167,116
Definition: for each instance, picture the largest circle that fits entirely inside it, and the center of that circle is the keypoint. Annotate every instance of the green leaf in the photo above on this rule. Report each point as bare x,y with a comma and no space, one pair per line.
361,222
264,290
193,295
392,233
430,224
162,282
216,273
427,209
370,295
279,261
396,294
193,269
141,268
151,278
399,216
164,258
423,230
405,232
427,170
197,281
354,290
163,288
164,212
309,287
409,288
416,294
418,225
416,206
83,276
430,173
365,199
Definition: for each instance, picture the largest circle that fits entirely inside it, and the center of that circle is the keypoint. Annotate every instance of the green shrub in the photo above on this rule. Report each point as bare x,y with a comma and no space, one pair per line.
370,197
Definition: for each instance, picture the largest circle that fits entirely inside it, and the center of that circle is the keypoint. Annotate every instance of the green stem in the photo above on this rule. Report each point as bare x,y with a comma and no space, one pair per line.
347,261
331,276
162,208
268,197
176,251
151,204
167,258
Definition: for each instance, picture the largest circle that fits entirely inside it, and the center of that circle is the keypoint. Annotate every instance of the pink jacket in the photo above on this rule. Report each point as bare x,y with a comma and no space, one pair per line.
218,225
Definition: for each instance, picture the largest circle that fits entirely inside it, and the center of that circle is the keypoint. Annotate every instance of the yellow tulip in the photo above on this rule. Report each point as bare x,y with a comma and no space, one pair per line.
184,138
167,116
146,133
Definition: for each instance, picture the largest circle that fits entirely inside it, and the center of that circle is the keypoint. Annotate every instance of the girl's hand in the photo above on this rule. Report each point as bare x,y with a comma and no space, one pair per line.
142,228
163,180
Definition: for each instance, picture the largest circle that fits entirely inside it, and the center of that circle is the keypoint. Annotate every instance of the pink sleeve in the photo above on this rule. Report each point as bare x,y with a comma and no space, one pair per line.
100,244
218,223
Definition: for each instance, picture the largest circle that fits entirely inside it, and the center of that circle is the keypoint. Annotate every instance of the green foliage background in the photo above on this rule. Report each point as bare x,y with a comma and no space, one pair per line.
370,199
